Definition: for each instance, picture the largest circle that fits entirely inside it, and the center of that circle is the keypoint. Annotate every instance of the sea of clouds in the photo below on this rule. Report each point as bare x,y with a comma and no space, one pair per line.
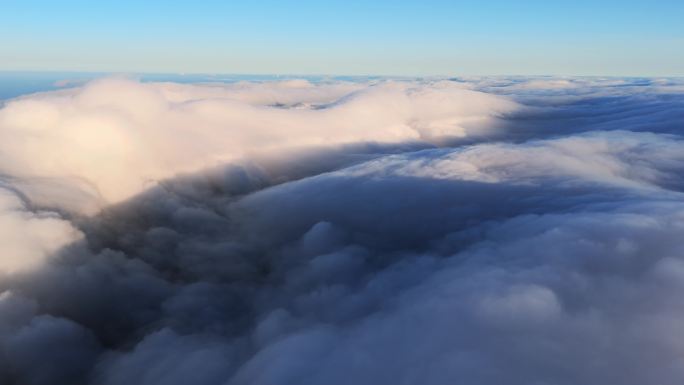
521,231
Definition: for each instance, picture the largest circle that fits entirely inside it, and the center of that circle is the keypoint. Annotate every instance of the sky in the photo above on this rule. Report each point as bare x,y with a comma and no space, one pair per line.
429,37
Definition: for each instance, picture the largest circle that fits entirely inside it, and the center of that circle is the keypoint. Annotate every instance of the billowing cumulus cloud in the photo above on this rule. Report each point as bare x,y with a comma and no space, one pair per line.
119,136
479,231
28,237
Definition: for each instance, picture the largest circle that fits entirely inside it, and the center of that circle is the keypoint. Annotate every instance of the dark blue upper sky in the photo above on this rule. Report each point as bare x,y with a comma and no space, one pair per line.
429,37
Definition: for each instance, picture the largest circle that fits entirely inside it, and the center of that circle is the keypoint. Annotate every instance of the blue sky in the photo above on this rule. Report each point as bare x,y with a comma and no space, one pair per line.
430,37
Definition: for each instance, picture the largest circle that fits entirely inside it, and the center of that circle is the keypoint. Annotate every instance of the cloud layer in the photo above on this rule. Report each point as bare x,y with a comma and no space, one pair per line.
120,136
484,231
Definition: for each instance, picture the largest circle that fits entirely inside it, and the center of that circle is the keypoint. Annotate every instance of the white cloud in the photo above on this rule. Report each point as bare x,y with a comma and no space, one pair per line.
544,247
121,136
28,238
